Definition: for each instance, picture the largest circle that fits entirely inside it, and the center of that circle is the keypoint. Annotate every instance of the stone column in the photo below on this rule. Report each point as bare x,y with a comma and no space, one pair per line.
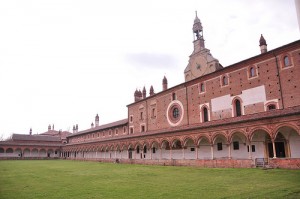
250,150
183,154
274,149
160,154
212,151
229,150
196,156
170,153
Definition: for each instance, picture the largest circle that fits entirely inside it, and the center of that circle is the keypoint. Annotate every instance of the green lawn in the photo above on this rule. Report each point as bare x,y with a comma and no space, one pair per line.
73,179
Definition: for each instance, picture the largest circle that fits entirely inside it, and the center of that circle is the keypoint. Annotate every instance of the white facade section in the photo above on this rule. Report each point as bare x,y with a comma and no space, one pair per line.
249,96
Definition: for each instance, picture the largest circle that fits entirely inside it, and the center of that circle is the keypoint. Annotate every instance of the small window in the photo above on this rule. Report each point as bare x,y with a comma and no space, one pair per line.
205,114
131,130
236,145
141,115
225,80
153,112
219,146
173,96
131,118
124,129
175,113
192,149
138,149
271,107
145,149
286,61
142,128
202,88
116,132
252,72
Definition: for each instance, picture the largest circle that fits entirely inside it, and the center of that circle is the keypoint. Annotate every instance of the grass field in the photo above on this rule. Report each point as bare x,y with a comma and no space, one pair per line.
73,179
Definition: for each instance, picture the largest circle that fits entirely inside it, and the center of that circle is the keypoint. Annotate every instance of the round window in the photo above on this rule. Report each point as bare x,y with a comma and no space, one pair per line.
175,113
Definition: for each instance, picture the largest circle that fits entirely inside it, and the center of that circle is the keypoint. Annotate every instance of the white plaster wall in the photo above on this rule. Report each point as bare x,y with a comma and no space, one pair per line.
242,153
204,152
222,153
165,154
177,154
295,146
254,95
249,96
259,149
221,103
188,154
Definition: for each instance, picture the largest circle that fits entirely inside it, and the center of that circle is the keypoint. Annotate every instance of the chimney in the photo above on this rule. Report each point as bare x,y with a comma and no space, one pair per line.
92,125
74,129
165,83
262,44
30,131
49,127
151,91
52,126
144,93
96,120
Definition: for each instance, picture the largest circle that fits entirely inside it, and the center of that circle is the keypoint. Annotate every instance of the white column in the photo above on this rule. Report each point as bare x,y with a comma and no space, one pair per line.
183,154
229,150
196,156
212,151
274,149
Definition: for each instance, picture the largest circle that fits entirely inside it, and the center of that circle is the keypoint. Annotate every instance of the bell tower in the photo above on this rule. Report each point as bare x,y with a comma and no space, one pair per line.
201,61
198,35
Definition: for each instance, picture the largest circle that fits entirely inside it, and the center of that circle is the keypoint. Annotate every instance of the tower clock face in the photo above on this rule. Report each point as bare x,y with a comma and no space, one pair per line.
198,66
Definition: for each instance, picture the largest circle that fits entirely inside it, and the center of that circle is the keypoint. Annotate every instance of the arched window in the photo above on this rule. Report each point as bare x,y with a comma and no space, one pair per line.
205,114
286,61
271,107
238,109
202,88
225,80
252,72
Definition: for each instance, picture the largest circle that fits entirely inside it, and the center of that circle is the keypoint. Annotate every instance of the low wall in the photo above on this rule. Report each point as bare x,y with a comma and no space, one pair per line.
217,163
288,163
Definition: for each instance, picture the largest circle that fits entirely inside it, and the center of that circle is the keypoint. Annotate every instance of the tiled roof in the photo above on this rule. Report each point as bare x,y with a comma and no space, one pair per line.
102,127
36,138
228,121
12,143
62,134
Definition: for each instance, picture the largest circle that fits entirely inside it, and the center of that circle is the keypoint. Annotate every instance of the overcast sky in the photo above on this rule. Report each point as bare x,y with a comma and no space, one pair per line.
62,62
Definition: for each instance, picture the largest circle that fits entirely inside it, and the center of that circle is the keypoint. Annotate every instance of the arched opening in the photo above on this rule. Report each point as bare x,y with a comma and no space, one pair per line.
220,147
155,150
1,150
26,152
204,151
260,140
176,149
225,80
287,143
42,153
35,152
9,150
165,150
239,147
18,152
271,107
189,149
